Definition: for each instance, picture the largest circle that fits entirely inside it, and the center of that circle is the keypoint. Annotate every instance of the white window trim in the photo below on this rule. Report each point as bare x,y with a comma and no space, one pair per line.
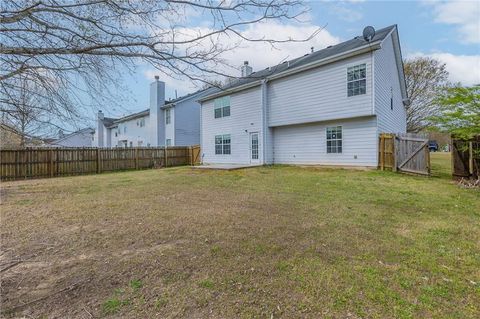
223,144
336,139
357,80
168,116
222,107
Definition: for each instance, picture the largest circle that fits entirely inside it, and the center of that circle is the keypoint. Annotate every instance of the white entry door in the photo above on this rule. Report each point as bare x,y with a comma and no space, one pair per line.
254,148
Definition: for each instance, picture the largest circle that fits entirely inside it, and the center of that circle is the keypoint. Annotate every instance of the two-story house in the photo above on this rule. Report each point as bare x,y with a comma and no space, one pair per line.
326,107
171,123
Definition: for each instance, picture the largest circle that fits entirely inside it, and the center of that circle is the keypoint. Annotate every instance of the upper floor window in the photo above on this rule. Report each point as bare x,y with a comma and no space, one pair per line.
357,80
222,107
222,144
125,129
141,122
334,139
168,142
168,116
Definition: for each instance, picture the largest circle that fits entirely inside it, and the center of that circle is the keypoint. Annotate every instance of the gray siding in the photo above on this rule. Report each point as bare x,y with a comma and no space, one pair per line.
319,94
187,123
306,143
387,83
245,117
79,139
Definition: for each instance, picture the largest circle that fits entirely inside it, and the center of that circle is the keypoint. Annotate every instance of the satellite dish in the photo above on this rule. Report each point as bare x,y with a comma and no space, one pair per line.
368,33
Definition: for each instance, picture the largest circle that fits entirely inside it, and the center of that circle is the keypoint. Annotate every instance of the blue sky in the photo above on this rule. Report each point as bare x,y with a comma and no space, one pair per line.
446,30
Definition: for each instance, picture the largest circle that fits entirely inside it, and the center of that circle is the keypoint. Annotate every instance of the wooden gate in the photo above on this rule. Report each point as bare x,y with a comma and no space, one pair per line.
195,155
405,153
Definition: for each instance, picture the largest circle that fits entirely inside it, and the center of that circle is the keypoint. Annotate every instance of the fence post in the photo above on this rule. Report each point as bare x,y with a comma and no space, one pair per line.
394,154
165,155
99,170
470,158
382,152
427,157
51,162
136,157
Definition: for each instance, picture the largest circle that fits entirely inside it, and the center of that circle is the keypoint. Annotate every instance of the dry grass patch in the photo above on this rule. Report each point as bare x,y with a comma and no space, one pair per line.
271,241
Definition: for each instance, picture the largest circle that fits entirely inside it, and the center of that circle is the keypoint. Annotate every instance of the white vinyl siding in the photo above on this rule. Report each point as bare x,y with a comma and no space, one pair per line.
305,143
388,97
170,115
245,117
129,131
319,94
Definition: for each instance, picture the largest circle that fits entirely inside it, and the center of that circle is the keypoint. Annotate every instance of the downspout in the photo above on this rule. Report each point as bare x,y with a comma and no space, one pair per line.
264,120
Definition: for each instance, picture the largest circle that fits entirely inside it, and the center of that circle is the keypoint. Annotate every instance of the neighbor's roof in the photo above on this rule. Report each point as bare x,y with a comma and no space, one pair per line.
84,130
107,121
169,103
330,51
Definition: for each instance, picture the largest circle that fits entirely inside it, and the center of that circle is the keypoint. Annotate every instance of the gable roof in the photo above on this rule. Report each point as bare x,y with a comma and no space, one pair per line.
84,130
332,53
112,122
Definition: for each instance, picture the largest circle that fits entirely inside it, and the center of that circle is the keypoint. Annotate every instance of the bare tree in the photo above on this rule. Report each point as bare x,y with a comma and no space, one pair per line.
425,77
27,110
71,49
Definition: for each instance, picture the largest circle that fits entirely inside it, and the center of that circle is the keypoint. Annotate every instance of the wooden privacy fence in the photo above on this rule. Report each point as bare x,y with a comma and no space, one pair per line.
466,157
405,153
51,162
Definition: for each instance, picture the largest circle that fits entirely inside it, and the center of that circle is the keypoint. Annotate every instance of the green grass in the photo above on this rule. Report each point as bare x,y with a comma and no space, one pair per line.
112,306
281,241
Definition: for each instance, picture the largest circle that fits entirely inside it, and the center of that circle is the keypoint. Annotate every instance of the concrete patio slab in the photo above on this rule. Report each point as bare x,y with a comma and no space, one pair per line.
227,167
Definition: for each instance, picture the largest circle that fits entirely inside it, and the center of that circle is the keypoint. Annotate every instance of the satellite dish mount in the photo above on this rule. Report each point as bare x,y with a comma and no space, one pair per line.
368,33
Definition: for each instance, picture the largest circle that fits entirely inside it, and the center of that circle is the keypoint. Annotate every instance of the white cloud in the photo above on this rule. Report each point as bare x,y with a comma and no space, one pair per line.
347,14
463,14
259,54
462,68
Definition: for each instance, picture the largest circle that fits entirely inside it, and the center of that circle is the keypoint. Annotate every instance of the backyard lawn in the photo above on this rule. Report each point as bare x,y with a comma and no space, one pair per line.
268,242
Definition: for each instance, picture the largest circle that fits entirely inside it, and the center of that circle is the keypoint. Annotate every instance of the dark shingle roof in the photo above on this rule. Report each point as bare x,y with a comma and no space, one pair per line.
107,121
329,51
112,121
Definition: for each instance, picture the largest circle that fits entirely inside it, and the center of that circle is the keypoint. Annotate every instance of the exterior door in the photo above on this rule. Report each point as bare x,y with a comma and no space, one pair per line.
254,148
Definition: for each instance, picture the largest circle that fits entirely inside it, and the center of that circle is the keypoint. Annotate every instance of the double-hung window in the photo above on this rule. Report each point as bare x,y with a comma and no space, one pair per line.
222,107
334,139
222,144
357,80
168,116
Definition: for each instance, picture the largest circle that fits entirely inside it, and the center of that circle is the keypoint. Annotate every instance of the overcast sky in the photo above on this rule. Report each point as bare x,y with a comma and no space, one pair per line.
446,30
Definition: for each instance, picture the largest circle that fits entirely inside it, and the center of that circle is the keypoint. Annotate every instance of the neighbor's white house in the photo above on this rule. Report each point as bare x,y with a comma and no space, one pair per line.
326,107
80,138
171,123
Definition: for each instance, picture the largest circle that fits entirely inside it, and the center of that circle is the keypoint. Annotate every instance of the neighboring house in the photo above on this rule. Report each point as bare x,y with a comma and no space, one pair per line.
80,138
326,107
172,123
9,137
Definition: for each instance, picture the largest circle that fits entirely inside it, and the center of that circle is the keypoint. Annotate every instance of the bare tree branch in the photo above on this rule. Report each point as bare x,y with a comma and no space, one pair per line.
72,49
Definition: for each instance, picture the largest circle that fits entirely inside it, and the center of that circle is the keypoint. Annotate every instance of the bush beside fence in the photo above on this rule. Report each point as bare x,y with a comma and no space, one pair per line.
51,162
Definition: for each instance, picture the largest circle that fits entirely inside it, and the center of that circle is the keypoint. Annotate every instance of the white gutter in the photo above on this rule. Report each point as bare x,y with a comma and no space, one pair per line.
364,49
